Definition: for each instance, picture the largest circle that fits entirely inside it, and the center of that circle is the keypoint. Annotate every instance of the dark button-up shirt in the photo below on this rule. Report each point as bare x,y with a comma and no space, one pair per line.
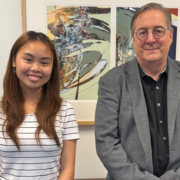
155,93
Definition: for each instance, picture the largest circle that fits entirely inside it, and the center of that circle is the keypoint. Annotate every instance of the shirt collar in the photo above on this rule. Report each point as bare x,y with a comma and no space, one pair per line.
142,73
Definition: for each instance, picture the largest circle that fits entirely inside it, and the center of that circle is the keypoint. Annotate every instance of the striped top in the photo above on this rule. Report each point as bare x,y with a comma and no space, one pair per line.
35,162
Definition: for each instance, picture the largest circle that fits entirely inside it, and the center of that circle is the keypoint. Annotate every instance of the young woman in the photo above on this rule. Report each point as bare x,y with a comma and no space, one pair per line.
38,130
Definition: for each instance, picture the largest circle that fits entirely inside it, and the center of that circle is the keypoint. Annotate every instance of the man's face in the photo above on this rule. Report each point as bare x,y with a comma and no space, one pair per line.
152,49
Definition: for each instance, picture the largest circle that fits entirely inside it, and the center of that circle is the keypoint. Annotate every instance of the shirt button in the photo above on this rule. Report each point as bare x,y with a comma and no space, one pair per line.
167,155
164,138
158,104
157,87
161,121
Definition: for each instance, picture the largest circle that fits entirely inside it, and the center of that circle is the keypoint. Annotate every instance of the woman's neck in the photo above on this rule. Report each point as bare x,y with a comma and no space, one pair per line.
31,100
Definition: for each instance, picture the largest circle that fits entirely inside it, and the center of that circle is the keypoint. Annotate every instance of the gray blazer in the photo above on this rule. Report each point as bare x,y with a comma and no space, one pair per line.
122,132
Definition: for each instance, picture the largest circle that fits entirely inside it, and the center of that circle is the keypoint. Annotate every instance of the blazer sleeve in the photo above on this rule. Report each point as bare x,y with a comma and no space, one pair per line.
108,138
171,175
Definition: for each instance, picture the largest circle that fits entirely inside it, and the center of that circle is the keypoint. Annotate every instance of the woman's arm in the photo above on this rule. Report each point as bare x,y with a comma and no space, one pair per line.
68,160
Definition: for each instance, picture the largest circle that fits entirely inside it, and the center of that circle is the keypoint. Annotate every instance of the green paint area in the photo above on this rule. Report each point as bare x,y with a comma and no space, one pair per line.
88,58
100,33
48,8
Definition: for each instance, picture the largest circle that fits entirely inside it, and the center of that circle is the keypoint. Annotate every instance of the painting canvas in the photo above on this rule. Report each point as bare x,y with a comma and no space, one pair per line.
124,46
81,36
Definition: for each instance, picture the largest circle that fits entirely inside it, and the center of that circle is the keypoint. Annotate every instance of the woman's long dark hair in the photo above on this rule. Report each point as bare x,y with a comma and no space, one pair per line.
13,100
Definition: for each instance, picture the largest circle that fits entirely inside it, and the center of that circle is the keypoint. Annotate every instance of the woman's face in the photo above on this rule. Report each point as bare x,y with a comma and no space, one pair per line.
33,64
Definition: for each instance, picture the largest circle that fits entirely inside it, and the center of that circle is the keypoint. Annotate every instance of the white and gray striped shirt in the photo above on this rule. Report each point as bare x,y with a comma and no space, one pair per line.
35,162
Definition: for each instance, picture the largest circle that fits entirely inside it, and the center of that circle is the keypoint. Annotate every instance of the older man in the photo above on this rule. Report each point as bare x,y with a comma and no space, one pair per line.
137,123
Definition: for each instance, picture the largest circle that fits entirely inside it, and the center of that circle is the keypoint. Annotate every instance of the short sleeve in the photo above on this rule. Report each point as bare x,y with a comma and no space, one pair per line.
70,126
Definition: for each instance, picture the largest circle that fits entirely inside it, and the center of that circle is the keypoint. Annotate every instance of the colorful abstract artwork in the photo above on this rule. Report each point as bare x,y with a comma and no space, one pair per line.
81,36
124,45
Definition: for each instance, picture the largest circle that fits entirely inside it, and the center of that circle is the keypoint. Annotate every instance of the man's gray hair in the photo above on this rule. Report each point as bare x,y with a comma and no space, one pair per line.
152,6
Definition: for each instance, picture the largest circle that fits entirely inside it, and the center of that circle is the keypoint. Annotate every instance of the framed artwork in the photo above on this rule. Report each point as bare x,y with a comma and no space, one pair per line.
81,37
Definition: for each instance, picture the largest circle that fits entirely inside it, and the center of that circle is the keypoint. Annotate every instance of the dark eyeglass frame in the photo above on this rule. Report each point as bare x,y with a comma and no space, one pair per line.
152,33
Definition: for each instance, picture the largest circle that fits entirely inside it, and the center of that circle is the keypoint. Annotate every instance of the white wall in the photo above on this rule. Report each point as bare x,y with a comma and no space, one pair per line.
87,162
10,30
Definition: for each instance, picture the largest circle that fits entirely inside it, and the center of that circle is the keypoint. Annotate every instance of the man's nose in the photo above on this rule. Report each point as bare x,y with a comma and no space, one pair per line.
150,38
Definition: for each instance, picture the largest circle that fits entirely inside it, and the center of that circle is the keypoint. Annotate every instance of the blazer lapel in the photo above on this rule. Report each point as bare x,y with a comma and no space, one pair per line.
139,109
173,95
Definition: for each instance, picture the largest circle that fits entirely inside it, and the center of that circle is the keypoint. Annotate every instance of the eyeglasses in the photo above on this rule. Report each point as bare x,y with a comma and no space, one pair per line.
157,32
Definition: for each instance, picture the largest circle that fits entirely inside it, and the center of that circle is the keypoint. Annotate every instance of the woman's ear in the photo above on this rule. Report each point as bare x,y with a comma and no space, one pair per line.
13,62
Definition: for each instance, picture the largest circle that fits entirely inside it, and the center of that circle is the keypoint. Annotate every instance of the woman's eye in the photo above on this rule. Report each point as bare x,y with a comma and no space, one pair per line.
44,63
28,60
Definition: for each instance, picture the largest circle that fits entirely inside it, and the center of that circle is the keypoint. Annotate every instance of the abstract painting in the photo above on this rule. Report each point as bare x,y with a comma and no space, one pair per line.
81,36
